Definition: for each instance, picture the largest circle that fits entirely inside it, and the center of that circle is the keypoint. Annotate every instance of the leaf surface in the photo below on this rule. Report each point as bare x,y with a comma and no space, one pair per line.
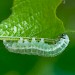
33,18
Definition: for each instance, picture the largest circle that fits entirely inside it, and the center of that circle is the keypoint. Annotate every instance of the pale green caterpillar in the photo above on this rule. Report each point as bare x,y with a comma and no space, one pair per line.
41,46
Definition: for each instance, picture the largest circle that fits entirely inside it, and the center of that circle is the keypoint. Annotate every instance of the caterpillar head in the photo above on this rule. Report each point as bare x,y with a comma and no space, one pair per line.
64,36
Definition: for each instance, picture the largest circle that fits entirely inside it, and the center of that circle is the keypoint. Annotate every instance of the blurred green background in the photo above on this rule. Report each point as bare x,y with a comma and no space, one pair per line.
64,64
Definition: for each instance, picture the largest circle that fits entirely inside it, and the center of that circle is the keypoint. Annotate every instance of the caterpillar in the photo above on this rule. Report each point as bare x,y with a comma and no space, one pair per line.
41,46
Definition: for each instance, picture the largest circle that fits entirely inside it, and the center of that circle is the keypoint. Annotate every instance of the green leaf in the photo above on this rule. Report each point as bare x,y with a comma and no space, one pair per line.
33,18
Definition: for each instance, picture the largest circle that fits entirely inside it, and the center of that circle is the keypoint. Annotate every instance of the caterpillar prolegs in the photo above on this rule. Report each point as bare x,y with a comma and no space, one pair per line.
40,47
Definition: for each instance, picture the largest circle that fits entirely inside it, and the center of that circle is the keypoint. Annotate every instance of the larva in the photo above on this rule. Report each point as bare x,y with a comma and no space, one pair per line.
40,47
